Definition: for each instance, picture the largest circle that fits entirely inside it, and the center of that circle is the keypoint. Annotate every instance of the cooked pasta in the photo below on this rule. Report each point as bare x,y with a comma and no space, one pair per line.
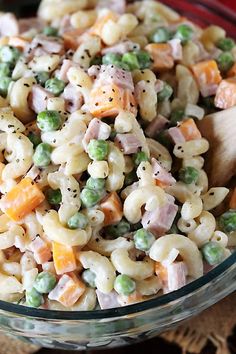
104,196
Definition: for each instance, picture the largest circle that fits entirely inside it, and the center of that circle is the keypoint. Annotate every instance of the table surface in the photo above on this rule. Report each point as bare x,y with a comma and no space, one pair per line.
152,346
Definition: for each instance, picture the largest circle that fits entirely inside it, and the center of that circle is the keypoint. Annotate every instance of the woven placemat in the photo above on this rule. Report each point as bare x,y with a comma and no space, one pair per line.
215,324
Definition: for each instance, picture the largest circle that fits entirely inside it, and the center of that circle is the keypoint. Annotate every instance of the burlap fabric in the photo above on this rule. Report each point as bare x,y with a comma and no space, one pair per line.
215,324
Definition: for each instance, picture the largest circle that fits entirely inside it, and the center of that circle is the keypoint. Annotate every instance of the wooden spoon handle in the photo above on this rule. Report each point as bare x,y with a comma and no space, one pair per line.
220,130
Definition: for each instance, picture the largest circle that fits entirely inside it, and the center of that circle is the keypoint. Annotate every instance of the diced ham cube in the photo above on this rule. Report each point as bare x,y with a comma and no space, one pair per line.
122,48
41,250
177,50
176,273
68,290
159,85
62,73
9,25
110,74
114,5
156,126
27,24
96,130
107,301
176,135
128,143
38,98
160,174
161,219
42,44
73,98
226,93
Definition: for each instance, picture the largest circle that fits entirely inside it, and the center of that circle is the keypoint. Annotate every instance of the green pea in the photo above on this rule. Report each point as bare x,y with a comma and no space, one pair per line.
89,278
188,175
97,60
98,149
173,230
139,157
48,121
50,31
55,86
131,60
176,116
225,44
33,298
78,221
41,77
165,93
112,135
227,221
54,196
122,65
184,33
34,138
124,285
111,58
122,228
5,70
90,197
45,282
9,54
130,178
95,183
160,35
225,60
144,59
4,84
42,155
213,253
143,239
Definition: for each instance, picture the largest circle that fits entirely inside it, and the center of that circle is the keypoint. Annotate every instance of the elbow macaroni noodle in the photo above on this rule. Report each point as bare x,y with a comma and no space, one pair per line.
105,218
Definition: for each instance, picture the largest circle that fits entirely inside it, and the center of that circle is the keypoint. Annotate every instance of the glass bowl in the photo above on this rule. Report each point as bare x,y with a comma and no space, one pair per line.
129,324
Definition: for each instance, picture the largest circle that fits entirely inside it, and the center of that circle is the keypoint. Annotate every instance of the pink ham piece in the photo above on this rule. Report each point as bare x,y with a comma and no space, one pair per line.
122,48
73,98
27,24
117,6
208,90
42,44
38,98
107,301
176,274
161,174
41,250
110,74
156,126
176,135
9,25
159,85
128,143
161,219
62,73
65,25
177,50
96,130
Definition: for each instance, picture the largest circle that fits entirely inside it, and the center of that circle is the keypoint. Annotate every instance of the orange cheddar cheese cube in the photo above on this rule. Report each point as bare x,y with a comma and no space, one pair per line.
232,71
111,206
226,93
207,75
64,258
189,130
161,54
22,199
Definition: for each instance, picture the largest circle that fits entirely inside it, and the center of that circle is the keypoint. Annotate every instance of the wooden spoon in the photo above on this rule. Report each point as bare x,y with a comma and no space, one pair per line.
220,130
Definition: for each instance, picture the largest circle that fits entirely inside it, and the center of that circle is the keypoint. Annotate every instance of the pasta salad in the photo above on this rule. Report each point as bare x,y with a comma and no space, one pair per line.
104,197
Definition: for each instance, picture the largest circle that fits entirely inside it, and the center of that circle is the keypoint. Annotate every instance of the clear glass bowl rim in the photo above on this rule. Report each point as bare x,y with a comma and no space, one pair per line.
125,310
